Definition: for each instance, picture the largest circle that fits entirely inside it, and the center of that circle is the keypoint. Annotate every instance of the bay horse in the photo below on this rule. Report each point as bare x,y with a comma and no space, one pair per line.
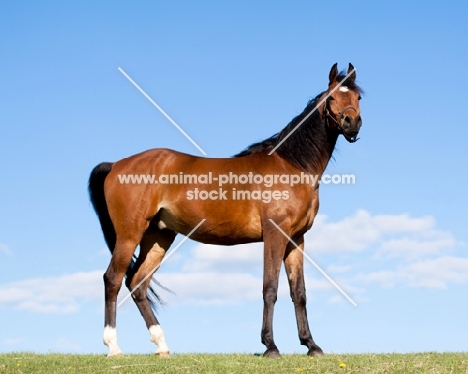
152,212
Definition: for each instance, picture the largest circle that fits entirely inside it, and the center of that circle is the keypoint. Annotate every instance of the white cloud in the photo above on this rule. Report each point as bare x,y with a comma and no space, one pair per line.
436,273
351,234
212,288
394,235
226,288
402,223
431,242
60,294
397,235
225,258
220,274
5,250
407,251
215,274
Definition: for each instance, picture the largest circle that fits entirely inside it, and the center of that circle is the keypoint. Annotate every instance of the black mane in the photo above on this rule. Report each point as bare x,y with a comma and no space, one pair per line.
306,146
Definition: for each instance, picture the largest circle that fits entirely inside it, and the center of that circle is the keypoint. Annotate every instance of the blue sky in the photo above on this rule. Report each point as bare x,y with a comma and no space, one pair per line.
231,74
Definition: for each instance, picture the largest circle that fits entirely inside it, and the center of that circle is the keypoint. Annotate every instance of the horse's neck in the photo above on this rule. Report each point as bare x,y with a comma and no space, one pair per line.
309,147
321,130
332,138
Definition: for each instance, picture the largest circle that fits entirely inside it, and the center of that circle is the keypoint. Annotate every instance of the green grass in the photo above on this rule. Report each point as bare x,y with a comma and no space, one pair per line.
235,363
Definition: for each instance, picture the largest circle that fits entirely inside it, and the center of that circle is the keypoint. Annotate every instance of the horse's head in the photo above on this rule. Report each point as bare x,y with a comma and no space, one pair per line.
341,108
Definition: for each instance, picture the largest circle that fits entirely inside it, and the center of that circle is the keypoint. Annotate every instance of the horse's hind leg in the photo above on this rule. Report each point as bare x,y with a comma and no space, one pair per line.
113,277
294,264
153,247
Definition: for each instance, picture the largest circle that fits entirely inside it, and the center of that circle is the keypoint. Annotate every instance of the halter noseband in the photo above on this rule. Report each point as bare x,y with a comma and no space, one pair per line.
338,122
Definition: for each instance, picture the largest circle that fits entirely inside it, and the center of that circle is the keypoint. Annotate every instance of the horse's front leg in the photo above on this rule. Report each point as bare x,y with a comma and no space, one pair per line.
274,249
294,264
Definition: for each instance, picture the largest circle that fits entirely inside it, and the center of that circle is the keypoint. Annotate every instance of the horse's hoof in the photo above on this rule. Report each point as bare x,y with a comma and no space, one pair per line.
272,353
163,354
315,351
115,354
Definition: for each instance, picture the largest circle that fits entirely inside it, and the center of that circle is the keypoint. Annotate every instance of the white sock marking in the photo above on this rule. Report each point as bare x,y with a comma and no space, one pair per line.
110,339
157,337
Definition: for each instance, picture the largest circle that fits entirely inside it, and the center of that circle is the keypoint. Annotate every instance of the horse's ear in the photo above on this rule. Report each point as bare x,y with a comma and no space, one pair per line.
352,77
333,74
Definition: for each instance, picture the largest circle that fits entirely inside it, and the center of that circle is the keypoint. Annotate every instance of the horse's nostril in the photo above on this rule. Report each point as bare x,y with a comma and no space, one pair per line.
359,121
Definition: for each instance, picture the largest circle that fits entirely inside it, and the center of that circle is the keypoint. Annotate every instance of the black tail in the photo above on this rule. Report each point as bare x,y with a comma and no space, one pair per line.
96,195
98,200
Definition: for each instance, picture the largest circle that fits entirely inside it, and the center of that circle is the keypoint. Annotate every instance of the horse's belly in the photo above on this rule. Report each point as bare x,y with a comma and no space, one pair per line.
215,226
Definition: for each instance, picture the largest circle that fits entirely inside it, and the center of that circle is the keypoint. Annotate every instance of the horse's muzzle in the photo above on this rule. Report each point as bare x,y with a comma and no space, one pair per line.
350,127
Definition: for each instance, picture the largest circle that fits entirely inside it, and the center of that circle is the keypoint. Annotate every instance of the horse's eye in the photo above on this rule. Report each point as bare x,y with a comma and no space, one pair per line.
359,98
331,98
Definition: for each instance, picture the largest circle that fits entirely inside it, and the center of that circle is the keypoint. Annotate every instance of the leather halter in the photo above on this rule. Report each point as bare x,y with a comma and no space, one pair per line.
339,121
